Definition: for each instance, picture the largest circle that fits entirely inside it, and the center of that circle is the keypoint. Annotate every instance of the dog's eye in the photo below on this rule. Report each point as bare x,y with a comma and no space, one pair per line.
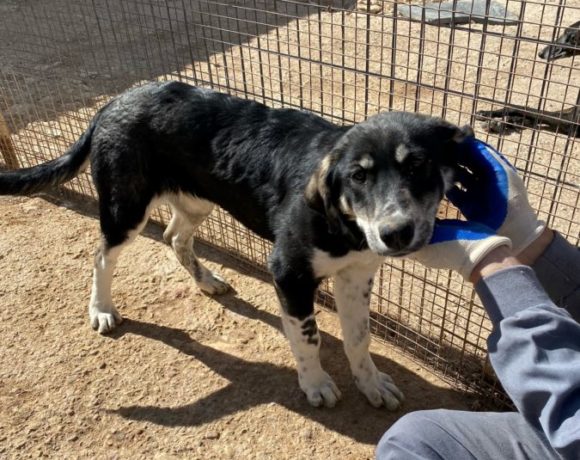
360,175
417,163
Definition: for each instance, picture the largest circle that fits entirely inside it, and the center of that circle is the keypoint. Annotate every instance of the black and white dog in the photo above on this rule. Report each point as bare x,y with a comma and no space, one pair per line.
334,200
515,118
566,45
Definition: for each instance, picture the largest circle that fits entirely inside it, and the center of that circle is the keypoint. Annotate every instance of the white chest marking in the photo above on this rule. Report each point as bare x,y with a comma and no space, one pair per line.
325,265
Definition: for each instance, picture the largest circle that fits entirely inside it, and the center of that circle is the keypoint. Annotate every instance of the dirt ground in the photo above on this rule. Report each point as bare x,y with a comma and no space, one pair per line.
185,376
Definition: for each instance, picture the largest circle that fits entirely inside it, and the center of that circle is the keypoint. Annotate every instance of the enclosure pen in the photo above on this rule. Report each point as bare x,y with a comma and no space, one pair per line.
345,61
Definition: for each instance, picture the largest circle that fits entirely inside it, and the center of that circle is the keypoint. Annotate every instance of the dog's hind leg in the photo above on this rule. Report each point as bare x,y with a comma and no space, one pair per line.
117,234
188,213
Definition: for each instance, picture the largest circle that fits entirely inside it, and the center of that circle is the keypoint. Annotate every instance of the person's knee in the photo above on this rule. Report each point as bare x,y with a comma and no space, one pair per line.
413,436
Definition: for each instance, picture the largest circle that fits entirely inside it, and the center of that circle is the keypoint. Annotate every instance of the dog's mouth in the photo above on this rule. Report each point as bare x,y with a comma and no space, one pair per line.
377,246
553,53
400,253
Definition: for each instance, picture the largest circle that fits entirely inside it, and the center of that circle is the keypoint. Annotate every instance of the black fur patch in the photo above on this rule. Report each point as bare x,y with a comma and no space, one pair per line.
310,329
566,45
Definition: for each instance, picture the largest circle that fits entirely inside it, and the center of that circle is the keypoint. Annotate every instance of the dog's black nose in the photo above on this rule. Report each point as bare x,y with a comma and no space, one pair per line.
398,238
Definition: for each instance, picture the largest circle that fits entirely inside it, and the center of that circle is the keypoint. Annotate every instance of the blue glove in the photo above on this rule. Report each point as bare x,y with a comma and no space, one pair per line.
494,195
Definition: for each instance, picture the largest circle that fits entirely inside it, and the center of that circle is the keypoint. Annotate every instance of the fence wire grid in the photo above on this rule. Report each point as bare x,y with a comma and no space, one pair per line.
343,60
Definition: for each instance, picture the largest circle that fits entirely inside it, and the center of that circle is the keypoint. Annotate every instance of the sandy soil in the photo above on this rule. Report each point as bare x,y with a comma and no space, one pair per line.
185,376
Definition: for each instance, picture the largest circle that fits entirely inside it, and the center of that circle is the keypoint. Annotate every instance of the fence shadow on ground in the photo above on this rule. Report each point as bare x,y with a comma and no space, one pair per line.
79,51
257,383
263,382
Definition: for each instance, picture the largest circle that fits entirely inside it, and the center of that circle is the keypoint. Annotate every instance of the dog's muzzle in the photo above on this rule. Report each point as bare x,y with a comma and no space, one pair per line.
399,237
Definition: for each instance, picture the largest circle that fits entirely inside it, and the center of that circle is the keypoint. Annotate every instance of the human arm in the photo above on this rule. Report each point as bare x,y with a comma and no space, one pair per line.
556,264
534,349
535,345
558,270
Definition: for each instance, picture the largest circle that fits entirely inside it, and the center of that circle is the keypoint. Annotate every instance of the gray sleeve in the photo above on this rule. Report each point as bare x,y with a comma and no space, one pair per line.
535,351
558,270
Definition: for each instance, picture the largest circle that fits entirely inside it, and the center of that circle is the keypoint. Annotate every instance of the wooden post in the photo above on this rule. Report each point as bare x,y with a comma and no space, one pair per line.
6,146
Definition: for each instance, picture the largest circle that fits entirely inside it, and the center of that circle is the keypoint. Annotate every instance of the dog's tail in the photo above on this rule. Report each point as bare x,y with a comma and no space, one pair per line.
27,181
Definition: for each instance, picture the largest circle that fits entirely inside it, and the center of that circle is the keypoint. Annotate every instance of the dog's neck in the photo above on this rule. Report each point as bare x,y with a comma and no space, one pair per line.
349,231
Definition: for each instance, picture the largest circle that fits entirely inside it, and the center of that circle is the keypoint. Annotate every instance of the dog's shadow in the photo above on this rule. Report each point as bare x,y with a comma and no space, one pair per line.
256,383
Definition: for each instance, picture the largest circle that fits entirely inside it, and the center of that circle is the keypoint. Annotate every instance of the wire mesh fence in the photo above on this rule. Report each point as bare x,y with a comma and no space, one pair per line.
345,61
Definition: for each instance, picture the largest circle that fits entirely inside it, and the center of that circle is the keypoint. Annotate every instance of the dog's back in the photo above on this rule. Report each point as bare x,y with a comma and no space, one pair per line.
177,138
171,137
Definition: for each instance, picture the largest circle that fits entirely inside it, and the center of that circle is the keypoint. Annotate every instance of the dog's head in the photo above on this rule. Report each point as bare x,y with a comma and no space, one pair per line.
385,178
567,44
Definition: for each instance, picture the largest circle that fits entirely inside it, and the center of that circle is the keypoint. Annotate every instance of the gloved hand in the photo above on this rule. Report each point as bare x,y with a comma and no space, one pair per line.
459,245
494,195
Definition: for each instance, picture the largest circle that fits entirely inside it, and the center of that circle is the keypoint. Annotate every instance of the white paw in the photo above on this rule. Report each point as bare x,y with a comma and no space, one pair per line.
104,319
380,390
213,284
319,388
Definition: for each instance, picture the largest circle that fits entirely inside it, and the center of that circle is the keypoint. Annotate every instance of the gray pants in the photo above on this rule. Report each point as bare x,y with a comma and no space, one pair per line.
449,435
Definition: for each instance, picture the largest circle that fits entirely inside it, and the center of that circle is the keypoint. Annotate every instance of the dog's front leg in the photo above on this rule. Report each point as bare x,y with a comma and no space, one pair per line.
352,289
296,296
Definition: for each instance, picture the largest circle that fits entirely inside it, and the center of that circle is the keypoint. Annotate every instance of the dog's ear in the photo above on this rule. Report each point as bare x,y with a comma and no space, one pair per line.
463,133
450,157
456,134
443,131
318,192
